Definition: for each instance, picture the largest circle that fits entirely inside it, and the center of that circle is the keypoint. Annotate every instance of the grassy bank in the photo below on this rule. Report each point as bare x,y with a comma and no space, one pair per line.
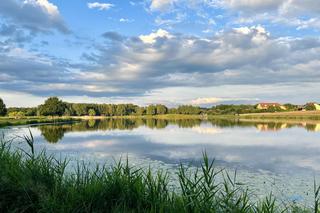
165,116
7,121
39,183
299,115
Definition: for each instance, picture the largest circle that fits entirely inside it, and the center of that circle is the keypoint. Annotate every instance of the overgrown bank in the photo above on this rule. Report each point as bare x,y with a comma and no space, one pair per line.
39,183
7,121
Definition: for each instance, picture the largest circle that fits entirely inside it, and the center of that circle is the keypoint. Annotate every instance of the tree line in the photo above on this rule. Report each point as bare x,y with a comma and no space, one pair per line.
53,106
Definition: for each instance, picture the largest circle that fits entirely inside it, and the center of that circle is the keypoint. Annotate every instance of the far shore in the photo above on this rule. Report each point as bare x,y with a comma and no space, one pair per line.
309,115
296,116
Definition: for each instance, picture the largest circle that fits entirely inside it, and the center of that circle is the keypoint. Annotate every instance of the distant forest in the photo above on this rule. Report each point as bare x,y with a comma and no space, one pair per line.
53,106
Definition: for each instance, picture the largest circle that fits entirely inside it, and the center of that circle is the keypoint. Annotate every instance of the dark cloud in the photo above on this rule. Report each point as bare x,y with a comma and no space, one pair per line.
134,65
38,16
113,36
14,34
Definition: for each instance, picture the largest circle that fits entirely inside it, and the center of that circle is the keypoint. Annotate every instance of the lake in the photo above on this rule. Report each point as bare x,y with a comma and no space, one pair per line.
278,156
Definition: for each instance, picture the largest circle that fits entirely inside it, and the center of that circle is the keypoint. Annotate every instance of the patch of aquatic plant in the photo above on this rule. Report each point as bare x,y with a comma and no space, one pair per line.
31,182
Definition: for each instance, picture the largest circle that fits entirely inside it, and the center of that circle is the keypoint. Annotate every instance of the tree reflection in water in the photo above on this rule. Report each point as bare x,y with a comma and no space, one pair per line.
54,133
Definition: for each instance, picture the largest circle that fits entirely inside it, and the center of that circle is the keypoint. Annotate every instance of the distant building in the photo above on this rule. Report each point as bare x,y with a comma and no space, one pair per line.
315,105
268,105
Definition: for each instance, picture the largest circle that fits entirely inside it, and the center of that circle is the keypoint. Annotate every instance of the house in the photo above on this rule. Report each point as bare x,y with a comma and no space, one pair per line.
268,105
313,105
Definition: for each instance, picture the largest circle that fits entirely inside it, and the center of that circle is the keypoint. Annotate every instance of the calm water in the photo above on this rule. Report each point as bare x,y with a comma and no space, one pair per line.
282,157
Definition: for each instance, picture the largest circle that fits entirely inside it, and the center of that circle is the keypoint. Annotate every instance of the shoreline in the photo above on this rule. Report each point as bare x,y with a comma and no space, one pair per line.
295,116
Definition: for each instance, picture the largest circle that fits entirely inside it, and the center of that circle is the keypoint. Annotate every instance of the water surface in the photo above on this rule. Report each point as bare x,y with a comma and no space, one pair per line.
277,156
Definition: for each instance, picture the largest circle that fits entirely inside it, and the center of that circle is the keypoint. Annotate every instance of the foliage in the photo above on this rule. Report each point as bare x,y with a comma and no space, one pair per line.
3,109
291,107
16,115
233,109
151,110
32,182
34,120
52,133
140,110
52,107
161,109
188,110
310,107
92,112
27,111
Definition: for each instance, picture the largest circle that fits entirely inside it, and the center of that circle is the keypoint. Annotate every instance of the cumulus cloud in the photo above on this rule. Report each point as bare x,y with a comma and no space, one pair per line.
100,6
254,4
161,5
36,15
135,66
284,6
153,37
296,13
125,20
247,55
216,100
301,14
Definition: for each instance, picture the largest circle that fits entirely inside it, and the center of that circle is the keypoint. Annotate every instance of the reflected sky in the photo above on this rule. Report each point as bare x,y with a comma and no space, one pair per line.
274,147
262,151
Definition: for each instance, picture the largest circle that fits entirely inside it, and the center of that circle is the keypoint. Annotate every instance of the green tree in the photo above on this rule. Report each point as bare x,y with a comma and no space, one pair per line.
151,110
188,109
121,110
3,108
80,109
92,112
112,109
310,107
291,107
161,109
140,110
52,106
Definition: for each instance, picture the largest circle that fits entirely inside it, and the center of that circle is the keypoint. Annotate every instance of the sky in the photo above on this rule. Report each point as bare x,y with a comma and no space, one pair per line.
199,52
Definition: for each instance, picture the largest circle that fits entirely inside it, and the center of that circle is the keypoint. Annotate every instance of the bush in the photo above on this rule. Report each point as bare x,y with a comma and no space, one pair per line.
3,109
16,115
92,112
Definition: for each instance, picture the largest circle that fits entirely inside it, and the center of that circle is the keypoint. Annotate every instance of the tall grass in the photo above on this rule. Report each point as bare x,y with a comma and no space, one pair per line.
32,182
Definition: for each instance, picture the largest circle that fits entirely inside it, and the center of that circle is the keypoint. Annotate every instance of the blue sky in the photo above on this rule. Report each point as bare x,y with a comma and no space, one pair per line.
201,52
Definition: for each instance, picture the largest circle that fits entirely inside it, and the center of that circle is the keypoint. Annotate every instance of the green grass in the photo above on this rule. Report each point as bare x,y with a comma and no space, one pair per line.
7,121
32,182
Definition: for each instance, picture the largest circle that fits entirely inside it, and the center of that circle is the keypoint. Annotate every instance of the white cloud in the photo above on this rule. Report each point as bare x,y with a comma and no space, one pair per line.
254,4
100,6
288,12
134,68
125,20
215,100
50,8
212,100
259,33
152,37
161,5
14,99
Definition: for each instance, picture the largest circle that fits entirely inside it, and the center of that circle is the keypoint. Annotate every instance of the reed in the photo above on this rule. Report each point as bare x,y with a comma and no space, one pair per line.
31,182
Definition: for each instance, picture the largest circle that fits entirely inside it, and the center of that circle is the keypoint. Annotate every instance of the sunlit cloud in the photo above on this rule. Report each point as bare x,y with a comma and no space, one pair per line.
100,6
